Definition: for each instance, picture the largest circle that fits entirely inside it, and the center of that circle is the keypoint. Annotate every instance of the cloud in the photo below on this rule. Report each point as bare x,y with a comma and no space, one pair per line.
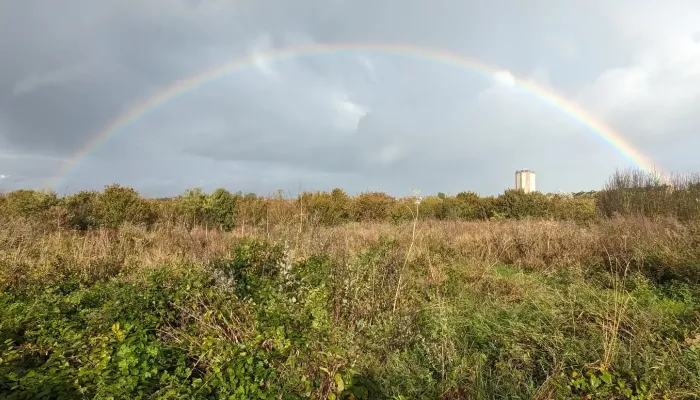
35,81
541,76
653,96
504,79
3,176
27,157
390,154
348,113
369,67
565,46
260,50
348,118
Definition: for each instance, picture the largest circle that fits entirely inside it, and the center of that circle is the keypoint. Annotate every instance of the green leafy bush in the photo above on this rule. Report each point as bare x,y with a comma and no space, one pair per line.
259,325
118,205
28,203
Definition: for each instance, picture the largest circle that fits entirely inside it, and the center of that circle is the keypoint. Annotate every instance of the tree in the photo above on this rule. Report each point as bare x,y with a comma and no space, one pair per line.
118,204
221,209
82,210
28,203
193,206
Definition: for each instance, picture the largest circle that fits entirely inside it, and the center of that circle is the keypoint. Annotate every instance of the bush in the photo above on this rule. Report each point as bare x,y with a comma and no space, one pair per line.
28,203
372,206
573,208
628,193
192,206
221,209
118,205
325,208
82,210
520,309
635,192
517,204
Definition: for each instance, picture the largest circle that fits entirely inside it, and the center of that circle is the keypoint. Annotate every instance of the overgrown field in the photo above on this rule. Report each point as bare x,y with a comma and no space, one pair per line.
95,304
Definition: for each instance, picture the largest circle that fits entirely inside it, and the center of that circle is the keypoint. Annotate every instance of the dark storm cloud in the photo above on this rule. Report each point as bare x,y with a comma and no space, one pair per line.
354,120
62,83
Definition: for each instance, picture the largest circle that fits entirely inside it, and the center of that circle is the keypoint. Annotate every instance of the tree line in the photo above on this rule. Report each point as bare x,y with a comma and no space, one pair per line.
627,192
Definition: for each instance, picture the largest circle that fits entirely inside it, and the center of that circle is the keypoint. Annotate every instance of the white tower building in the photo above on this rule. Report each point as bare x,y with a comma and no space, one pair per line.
525,180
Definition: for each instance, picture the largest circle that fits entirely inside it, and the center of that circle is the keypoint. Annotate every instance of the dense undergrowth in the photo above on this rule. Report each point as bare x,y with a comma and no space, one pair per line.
255,322
606,308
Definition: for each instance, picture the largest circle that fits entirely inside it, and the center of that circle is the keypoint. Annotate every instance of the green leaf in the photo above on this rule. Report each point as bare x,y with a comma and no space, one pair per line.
360,392
606,377
339,382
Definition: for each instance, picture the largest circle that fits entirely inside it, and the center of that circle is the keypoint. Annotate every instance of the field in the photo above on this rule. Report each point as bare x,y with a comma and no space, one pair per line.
326,296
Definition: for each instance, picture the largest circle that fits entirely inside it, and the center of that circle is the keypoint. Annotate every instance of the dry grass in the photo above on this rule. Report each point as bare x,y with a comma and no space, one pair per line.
441,297
28,249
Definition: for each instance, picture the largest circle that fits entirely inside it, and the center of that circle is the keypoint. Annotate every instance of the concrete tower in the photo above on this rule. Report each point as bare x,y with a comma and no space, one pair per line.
525,180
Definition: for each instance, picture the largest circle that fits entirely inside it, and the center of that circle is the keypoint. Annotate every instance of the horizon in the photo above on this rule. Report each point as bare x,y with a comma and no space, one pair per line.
261,96
630,172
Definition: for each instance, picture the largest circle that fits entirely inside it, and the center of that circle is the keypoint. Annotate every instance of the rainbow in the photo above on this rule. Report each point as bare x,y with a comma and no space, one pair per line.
180,87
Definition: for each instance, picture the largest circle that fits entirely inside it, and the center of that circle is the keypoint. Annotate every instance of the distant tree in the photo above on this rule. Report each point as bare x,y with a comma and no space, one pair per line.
577,208
82,210
118,204
469,206
372,206
326,208
28,203
637,192
221,209
193,207
515,203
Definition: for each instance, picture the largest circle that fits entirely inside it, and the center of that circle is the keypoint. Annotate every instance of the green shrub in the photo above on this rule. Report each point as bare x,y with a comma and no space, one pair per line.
221,209
372,206
517,204
326,208
259,325
82,210
629,193
118,205
28,203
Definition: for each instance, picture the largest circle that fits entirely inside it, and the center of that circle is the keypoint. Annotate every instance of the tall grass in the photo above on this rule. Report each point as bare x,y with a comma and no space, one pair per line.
270,299
518,309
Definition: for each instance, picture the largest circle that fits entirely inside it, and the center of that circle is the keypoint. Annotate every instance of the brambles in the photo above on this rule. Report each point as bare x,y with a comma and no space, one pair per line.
234,296
257,324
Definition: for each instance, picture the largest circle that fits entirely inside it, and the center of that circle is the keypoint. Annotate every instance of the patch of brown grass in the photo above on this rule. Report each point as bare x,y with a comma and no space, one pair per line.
30,251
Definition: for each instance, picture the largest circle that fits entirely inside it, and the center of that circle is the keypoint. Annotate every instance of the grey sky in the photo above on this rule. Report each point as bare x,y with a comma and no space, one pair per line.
359,121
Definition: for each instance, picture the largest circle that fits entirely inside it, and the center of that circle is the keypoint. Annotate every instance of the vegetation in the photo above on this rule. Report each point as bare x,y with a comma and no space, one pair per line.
111,295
